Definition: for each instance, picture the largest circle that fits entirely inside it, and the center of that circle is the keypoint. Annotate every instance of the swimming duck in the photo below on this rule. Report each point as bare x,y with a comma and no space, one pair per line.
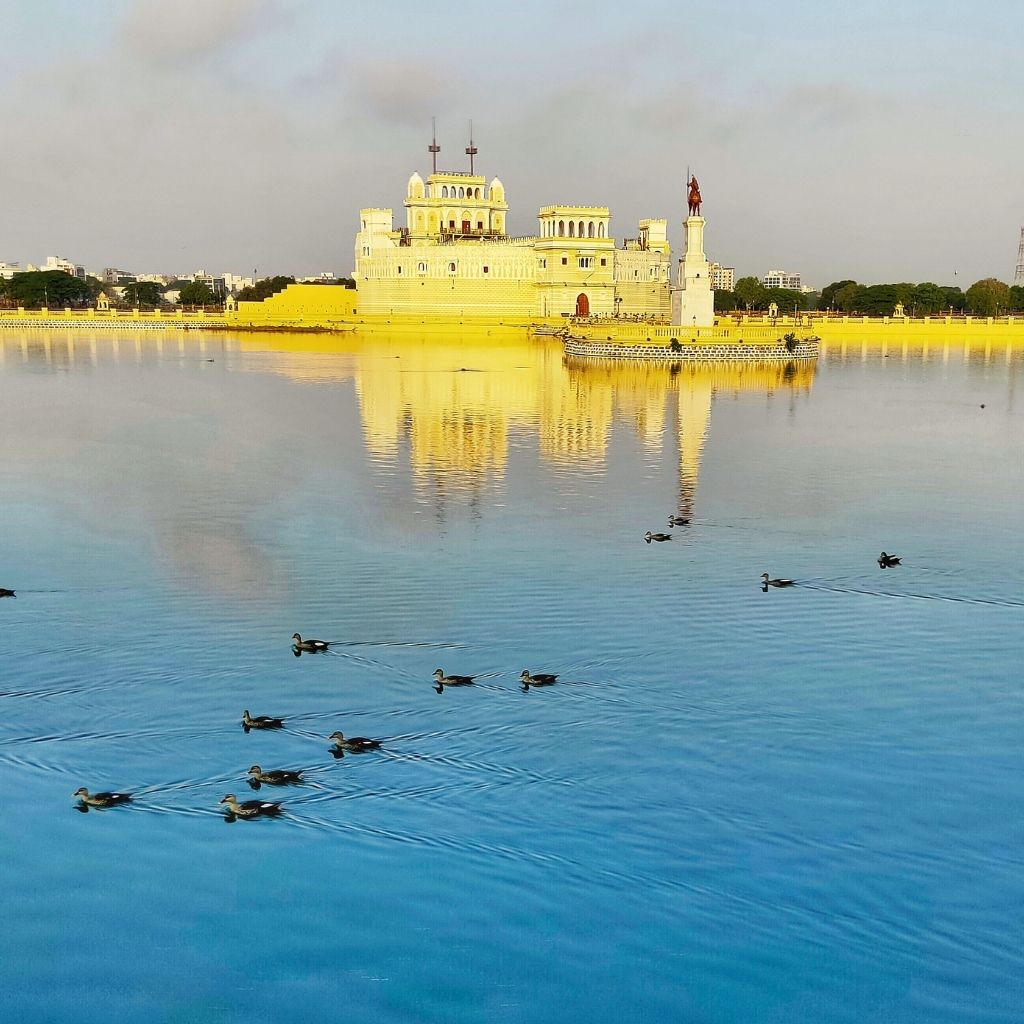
357,744
648,536
678,520
529,679
101,799
443,680
766,582
887,561
277,777
260,722
4,592
250,808
309,645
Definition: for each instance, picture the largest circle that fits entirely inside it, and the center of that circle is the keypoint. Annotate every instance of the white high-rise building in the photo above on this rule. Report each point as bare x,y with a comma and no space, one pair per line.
67,266
781,279
723,279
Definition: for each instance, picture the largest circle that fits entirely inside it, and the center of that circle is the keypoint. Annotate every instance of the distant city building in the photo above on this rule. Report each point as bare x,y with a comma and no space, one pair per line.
160,279
324,277
216,285
63,265
234,283
1018,278
723,279
111,275
781,279
8,270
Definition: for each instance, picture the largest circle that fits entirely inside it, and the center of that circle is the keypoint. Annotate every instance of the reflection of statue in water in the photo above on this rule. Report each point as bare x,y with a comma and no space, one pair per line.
693,200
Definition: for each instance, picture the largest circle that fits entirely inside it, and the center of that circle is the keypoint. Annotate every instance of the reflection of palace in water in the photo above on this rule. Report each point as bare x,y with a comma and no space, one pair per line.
454,407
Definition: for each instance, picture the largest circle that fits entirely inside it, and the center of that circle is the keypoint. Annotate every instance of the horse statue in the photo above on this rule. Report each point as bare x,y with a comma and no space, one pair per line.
693,200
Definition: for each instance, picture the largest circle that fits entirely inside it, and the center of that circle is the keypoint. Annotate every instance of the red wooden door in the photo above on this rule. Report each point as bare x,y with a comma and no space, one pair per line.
582,305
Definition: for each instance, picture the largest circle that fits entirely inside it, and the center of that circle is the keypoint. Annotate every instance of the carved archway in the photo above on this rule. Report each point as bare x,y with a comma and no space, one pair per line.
582,304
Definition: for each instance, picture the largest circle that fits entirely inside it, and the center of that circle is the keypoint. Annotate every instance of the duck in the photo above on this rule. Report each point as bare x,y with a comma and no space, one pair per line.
443,680
887,561
529,679
101,799
4,592
260,722
356,744
648,536
251,808
276,777
678,520
766,582
309,645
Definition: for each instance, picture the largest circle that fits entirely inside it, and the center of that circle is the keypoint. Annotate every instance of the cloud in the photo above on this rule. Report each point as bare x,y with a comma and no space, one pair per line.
188,31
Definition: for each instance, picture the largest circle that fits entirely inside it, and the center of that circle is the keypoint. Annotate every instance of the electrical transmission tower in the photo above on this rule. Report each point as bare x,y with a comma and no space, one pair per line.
1018,278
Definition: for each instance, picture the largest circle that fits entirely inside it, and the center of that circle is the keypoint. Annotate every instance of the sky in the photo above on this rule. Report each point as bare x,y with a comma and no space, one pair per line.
873,141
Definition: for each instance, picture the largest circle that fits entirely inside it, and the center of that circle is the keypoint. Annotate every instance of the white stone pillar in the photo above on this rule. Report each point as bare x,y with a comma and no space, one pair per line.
693,301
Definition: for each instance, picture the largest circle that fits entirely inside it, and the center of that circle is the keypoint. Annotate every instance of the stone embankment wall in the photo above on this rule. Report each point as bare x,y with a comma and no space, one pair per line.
690,353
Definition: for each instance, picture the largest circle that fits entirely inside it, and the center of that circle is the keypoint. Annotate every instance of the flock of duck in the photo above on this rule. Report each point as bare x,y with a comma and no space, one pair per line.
257,776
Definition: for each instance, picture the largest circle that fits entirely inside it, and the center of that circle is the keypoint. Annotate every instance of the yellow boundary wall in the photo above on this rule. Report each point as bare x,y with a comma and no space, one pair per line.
333,308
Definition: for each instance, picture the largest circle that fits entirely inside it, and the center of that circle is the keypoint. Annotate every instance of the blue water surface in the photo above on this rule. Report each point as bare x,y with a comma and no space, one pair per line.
803,805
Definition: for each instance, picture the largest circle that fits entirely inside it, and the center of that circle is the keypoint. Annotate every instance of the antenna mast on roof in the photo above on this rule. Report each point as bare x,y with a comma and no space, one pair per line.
471,150
433,149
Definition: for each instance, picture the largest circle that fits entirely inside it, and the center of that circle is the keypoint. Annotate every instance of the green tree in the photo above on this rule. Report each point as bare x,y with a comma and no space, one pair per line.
927,299
846,297
828,293
725,302
52,287
264,288
195,293
143,293
750,293
785,298
1017,298
988,297
954,299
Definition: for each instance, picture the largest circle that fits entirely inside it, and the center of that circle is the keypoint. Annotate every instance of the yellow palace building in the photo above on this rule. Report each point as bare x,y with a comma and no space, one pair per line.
453,258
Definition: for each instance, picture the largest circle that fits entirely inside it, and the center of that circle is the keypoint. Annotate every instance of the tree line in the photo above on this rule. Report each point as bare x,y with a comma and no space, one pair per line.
34,289
53,288
987,297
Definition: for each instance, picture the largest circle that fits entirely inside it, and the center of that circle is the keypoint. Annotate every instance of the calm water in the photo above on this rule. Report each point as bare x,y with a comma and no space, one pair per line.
799,806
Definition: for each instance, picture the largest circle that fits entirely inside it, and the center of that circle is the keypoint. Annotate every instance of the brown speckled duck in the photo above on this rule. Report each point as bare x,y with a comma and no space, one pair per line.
441,680
251,808
528,678
260,722
356,744
101,799
275,777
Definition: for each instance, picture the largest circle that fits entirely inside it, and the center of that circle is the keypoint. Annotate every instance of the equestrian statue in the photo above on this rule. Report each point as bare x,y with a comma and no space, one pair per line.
693,199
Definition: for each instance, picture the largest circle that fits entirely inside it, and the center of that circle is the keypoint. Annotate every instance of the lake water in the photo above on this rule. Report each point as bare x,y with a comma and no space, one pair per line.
804,805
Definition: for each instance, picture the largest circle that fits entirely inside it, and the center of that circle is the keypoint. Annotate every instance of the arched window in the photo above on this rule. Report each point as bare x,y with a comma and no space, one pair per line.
444,191
572,229
561,229
580,229
451,267
590,230
462,192
600,230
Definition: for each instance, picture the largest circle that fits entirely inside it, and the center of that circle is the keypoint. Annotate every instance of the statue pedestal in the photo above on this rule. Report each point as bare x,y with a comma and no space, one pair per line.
693,301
